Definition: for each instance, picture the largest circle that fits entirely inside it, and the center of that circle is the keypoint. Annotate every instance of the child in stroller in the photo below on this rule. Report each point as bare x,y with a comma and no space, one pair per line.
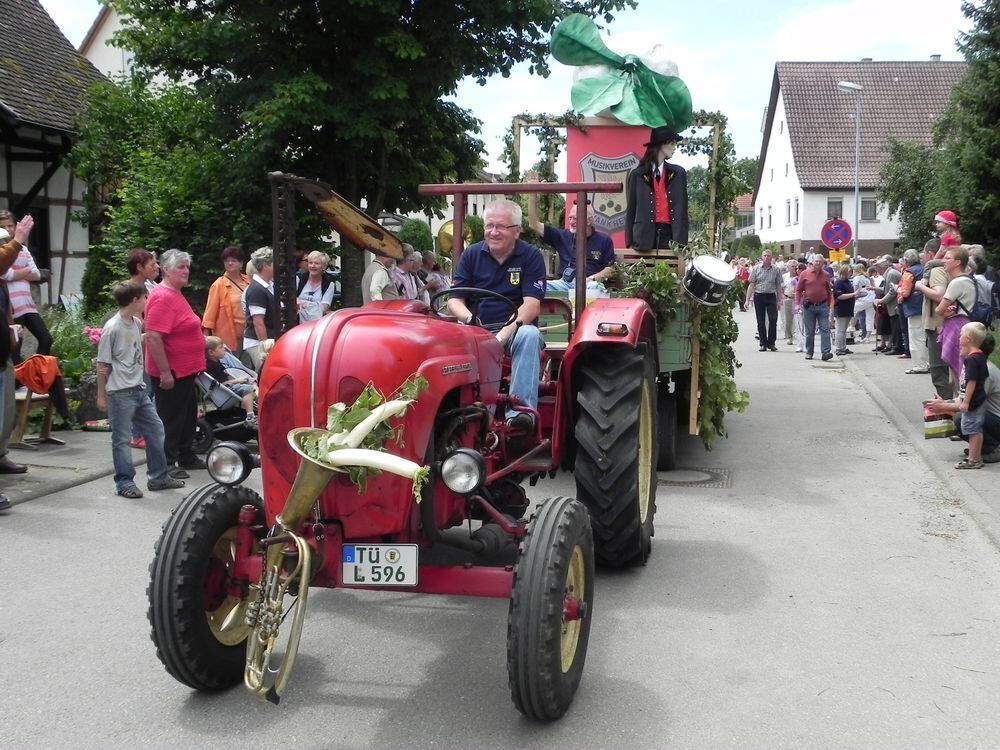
225,368
231,388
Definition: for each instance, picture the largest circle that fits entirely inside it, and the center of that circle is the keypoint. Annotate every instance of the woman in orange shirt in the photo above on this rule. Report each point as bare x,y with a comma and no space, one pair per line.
224,316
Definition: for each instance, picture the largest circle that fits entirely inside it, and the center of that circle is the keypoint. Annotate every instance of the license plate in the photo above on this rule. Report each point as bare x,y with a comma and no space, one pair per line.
379,565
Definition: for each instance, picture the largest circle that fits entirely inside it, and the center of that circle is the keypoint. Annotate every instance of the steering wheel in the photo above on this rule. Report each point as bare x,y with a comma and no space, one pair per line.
475,292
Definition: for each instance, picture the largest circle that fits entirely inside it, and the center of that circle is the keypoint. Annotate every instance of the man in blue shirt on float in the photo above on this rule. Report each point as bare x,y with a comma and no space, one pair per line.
505,264
600,248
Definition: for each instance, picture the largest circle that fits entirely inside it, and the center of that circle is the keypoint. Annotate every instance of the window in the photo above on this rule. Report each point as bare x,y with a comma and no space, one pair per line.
796,211
834,208
769,217
788,212
781,127
772,174
762,218
786,169
869,209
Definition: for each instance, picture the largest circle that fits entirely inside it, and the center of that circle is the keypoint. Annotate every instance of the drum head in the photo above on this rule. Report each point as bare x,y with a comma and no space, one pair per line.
715,269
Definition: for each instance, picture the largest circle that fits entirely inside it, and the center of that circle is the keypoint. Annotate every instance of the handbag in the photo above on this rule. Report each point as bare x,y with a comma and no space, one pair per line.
938,425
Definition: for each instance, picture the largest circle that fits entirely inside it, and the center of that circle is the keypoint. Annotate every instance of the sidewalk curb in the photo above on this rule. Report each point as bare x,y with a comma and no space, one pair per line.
80,477
969,498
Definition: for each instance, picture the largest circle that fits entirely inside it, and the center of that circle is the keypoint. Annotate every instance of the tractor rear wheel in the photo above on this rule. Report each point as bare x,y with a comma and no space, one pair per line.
551,605
198,625
616,451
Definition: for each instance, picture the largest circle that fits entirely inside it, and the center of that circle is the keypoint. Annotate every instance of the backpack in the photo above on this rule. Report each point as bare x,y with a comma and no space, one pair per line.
986,307
325,280
905,288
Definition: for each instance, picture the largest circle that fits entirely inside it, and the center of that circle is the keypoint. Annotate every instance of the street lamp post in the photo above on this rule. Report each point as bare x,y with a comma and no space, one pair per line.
856,89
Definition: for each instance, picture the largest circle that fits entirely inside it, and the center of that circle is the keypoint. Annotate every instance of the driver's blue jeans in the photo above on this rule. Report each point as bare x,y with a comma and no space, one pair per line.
525,366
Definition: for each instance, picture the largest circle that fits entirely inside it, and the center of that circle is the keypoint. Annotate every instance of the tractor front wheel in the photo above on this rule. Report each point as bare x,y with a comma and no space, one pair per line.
197,612
551,606
616,452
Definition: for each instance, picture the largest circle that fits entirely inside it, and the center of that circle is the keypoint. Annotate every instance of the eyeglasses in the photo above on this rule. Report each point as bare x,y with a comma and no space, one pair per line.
499,227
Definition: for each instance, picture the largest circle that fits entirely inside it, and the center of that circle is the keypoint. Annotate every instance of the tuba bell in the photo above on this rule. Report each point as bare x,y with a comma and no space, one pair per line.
446,236
287,572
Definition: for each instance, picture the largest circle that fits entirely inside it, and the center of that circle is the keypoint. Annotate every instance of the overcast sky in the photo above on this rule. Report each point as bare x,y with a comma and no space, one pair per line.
725,51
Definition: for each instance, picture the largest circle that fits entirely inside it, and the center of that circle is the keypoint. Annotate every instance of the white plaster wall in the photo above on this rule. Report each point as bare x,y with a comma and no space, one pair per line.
109,60
779,183
882,228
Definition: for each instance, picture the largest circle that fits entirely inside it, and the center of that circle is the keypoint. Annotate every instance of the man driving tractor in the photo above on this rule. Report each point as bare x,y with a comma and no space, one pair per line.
505,264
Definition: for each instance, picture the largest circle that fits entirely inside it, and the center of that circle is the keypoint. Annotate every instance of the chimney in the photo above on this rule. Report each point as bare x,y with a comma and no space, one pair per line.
935,58
866,59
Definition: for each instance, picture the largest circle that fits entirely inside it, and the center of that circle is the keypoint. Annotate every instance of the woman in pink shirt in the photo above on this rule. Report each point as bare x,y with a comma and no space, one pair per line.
175,354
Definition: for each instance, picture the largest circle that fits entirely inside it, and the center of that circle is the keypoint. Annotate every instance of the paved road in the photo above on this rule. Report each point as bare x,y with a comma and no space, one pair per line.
828,591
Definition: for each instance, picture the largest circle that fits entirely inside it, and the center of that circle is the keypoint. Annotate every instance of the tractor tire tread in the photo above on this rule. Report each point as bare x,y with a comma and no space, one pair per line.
607,452
539,689
179,629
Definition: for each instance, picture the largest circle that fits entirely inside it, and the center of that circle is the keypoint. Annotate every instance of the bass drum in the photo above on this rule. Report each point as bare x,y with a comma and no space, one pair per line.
708,278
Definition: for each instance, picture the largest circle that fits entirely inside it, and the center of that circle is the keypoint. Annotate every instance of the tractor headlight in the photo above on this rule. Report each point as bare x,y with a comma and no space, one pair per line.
463,471
231,462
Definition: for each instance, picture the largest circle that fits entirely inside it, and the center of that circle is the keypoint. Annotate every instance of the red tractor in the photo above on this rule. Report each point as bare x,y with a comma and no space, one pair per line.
232,570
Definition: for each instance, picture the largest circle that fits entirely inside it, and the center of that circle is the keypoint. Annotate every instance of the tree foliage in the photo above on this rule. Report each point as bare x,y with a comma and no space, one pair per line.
156,177
418,234
962,171
346,91
729,174
905,189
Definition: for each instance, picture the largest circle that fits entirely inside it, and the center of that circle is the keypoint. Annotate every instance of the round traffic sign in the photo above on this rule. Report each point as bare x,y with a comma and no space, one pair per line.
836,234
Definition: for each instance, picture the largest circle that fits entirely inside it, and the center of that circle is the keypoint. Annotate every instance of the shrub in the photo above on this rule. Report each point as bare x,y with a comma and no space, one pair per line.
418,234
75,334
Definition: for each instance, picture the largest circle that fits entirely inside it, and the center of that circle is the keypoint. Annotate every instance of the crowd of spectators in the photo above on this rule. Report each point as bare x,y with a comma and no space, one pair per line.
915,306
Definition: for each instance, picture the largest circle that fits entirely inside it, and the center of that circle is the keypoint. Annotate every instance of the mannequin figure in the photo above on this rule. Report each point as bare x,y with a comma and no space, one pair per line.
656,211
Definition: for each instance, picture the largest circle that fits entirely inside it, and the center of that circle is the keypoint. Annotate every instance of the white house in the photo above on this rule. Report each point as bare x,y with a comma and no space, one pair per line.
806,167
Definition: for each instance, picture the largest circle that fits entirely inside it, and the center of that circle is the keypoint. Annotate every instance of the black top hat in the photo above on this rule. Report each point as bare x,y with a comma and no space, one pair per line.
662,134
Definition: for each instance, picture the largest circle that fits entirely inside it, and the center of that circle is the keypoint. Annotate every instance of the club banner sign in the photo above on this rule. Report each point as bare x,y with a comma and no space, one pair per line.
608,208
604,150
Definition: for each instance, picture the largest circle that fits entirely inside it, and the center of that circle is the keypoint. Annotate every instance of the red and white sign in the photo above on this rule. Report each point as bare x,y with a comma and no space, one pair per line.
836,234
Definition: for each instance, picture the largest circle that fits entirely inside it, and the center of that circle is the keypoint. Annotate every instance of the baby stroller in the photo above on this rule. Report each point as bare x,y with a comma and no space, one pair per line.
220,415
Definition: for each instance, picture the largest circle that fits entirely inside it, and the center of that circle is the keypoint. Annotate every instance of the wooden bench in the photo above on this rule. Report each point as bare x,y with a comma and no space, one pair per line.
25,401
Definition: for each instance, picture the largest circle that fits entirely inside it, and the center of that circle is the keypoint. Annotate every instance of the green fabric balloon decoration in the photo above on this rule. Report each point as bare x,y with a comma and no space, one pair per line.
633,93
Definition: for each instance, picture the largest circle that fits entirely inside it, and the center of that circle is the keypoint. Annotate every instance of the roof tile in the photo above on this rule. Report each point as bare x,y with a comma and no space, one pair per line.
900,100
42,76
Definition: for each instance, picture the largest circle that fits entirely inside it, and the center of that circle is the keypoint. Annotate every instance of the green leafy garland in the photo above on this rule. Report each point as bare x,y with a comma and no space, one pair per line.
717,369
657,284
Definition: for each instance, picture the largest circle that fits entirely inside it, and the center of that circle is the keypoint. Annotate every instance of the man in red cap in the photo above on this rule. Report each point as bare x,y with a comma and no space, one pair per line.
946,224
656,211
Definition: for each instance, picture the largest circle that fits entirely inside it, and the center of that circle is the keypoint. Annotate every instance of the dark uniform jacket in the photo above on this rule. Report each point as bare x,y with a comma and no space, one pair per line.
640,224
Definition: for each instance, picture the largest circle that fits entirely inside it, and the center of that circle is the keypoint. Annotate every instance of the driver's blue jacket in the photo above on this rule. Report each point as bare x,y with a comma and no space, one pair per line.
521,275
